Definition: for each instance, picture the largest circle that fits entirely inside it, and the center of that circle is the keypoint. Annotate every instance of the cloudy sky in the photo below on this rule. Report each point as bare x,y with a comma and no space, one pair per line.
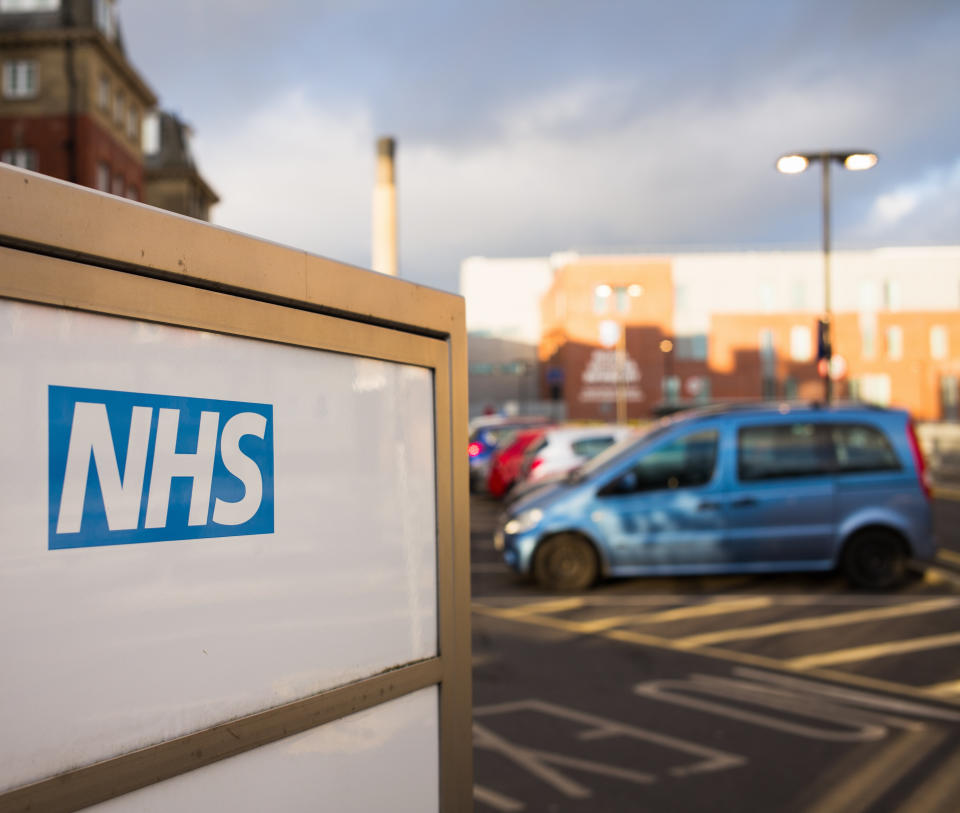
526,127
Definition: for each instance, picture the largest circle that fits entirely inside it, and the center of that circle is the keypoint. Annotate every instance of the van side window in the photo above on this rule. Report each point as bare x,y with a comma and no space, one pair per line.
862,448
686,461
773,451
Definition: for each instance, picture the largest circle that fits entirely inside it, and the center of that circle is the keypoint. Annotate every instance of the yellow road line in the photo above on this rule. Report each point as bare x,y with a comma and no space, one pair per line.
947,688
860,790
657,642
950,556
817,622
873,651
938,792
552,606
678,613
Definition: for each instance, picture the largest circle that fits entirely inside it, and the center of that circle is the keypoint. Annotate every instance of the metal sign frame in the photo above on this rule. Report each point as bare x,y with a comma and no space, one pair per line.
70,247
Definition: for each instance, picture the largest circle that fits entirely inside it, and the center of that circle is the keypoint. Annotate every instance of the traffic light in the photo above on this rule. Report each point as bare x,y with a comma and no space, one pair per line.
823,339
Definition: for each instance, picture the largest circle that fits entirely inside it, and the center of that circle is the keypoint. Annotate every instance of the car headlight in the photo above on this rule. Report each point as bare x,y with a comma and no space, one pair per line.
526,521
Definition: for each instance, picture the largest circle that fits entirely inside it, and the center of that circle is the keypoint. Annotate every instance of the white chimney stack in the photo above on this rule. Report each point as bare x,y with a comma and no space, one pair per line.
385,210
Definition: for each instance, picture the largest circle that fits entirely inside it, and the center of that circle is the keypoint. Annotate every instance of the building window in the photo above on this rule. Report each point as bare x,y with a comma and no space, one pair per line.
869,297
623,300
891,295
21,157
601,298
691,348
894,343
19,79
801,348
14,6
117,187
939,345
105,17
103,93
766,296
874,388
868,339
132,192
119,111
133,123
799,295
103,177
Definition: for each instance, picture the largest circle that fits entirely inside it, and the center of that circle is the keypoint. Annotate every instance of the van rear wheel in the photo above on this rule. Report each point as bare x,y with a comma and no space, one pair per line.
875,559
566,562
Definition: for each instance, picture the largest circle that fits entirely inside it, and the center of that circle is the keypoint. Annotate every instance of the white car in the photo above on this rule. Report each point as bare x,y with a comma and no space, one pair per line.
561,450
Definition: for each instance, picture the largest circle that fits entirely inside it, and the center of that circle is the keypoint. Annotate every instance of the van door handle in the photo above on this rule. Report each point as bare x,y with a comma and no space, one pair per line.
743,502
708,506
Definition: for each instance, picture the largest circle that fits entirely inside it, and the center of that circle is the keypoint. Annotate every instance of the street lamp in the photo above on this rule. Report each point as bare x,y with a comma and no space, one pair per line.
795,163
621,306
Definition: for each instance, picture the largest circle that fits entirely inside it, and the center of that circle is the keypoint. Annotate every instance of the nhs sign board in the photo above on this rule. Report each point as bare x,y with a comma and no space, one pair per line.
129,467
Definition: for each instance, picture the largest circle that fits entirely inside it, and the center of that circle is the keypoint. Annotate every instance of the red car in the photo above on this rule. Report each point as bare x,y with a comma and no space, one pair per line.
506,464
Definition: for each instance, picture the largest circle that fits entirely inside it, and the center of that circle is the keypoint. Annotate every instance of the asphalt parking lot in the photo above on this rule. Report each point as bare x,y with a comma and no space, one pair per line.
784,692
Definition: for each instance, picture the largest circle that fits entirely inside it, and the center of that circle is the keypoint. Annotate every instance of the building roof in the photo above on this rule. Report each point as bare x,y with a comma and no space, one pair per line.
173,156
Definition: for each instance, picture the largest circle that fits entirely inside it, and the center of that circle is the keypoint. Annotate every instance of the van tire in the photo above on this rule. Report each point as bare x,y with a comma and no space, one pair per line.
565,563
875,559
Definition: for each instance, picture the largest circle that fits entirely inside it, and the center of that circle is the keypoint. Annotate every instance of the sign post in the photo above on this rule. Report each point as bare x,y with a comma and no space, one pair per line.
234,537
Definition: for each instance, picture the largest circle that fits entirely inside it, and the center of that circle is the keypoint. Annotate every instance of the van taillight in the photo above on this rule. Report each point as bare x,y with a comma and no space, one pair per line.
537,461
919,462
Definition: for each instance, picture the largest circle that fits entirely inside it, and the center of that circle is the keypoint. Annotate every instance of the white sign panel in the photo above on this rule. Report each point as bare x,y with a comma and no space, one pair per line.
195,527
385,758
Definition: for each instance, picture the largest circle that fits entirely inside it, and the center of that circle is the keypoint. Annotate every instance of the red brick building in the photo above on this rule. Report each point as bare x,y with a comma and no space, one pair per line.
71,104
610,338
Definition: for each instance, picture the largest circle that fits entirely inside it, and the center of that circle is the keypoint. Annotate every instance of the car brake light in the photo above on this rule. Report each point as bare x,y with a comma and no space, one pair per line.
919,462
473,449
537,461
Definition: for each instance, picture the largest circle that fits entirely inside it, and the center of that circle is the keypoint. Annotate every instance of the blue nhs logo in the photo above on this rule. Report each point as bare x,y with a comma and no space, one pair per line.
131,467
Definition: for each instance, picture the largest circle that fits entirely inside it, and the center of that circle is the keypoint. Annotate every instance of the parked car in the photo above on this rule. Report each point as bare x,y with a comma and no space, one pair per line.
485,434
508,460
561,449
761,488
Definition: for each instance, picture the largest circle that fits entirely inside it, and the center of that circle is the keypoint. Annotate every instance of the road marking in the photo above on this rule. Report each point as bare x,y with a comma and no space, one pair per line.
596,728
939,792
945,689
678,613
873,651
729,655
946,555
816,623
858,728
496,800
551,606
859,791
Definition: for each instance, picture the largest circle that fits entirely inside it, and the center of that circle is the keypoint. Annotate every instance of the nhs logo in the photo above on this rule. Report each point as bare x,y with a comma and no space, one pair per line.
130,467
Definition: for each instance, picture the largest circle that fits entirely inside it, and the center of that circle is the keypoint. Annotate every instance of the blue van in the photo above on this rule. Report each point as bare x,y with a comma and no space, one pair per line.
754,488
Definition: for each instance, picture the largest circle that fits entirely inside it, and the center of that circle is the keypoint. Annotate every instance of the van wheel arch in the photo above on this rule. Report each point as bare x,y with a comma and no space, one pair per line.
875,557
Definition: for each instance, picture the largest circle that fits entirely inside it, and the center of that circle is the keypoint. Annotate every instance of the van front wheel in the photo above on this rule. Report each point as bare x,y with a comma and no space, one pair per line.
875,559
566,562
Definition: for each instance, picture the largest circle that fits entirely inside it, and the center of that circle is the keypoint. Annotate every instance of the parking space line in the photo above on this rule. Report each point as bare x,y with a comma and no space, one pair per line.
949,556
496,800
861,790
945,689
872,651
551,606
710,608
730,655
816,622
939,792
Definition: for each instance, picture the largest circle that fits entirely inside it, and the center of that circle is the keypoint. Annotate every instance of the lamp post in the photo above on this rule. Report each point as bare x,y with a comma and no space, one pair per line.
795,163
624,294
